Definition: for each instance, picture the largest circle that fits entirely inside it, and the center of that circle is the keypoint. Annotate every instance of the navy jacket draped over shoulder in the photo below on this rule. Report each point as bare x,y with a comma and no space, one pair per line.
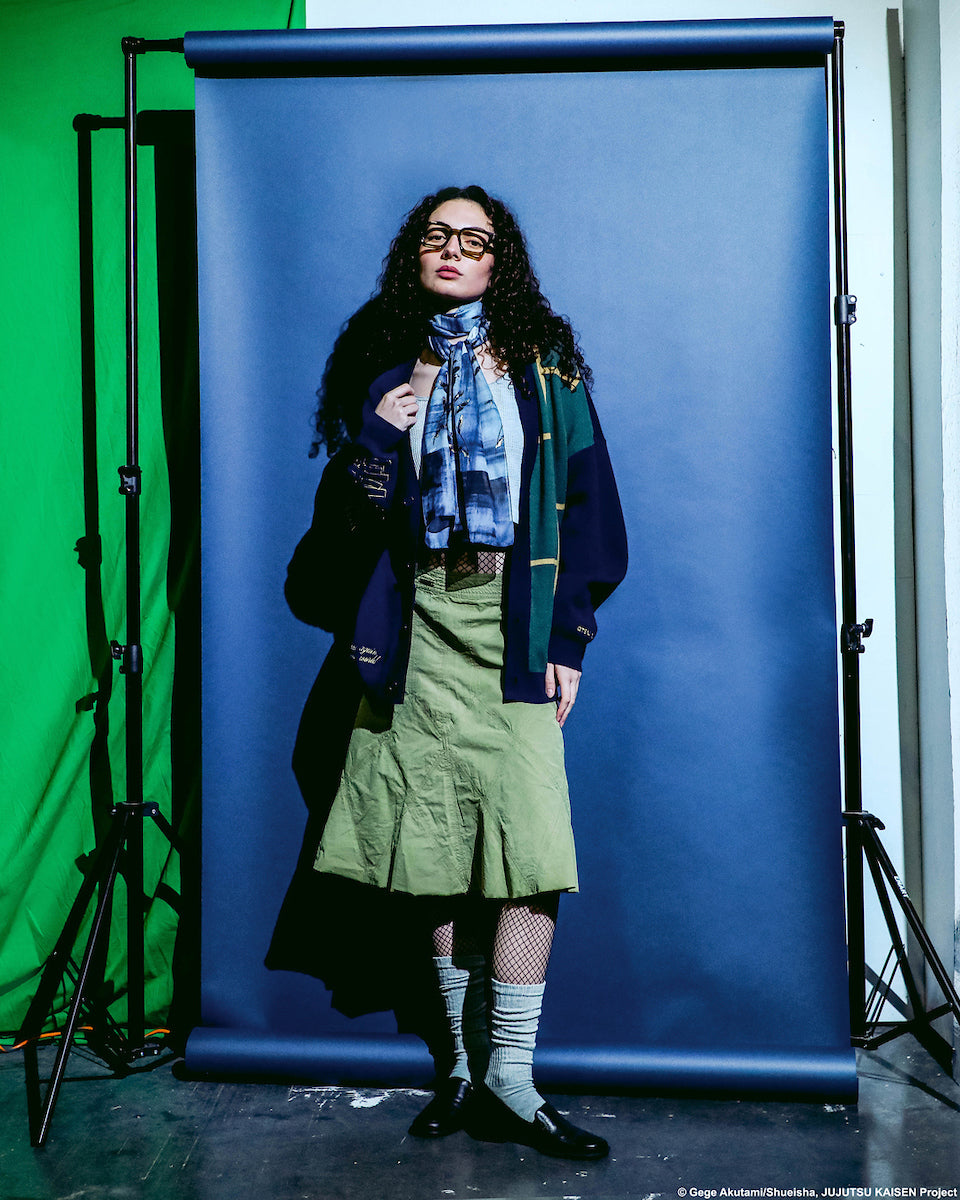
353,572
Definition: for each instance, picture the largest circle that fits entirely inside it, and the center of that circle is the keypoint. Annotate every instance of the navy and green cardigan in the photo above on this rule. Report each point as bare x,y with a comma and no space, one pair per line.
353,571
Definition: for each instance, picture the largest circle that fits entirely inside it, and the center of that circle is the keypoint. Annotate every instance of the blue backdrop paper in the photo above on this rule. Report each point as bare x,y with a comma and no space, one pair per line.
680,217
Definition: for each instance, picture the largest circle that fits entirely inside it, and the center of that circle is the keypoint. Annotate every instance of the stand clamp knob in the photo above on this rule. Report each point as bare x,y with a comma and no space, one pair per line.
129,657
129,480
853,636
845,310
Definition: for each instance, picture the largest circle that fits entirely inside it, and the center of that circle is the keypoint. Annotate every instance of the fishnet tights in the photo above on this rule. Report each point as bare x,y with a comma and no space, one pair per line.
451,939
475,560
523,939
465,561
461,926
522,936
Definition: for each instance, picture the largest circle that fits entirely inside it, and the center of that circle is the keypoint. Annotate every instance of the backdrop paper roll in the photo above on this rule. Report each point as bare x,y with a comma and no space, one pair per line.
680,216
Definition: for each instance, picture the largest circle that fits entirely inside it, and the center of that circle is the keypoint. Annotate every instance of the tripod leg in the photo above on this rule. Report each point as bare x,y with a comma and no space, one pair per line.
900,951
53,972
133,875
168,831
913,919
856,952
32,1075
39,1133
57,962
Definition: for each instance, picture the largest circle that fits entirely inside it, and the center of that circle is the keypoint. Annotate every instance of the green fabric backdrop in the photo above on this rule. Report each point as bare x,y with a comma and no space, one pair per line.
63,437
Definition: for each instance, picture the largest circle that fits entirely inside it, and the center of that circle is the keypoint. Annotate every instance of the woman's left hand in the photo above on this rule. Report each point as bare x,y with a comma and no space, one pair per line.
565,681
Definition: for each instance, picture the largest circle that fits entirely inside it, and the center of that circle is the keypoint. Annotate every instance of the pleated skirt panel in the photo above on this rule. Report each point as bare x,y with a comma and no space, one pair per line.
454,791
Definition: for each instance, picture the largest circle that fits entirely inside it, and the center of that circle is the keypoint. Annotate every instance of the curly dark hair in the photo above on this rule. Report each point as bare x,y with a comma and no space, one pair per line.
392,326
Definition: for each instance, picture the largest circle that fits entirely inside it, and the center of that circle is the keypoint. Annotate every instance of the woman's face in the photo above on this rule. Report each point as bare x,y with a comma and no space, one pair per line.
446,271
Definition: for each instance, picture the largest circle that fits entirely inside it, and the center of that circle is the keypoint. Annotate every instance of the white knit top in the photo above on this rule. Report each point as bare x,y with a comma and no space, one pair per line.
505,398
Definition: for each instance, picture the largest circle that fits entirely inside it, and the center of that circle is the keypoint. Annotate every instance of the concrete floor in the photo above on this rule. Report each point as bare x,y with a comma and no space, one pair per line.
153,1136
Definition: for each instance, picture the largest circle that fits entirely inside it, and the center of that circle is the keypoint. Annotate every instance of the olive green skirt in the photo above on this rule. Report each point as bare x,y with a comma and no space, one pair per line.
454,790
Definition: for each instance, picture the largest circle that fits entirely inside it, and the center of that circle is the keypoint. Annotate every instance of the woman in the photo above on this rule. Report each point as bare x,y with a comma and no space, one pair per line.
465,530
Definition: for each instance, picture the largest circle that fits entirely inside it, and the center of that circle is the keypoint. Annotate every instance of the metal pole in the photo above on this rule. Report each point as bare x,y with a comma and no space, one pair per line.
132,653
851,633
132,664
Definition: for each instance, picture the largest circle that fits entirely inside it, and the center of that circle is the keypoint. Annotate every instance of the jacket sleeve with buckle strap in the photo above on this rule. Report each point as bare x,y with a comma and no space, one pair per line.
352,527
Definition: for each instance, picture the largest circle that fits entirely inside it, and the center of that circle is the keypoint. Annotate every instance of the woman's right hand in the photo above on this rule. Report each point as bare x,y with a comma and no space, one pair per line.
398,406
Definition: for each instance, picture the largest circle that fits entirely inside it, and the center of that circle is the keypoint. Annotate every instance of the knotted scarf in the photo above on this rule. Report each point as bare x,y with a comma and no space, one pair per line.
463,471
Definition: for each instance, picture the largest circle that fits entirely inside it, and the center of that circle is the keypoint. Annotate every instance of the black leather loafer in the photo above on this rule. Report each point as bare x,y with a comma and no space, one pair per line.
548,1132
446,1111
553,1134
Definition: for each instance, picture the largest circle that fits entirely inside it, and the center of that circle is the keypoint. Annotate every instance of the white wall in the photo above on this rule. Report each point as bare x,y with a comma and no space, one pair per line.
950,395
872,133
932,38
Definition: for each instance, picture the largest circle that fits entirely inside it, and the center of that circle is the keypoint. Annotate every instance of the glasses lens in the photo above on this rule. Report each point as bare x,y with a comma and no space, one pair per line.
473,242
435,237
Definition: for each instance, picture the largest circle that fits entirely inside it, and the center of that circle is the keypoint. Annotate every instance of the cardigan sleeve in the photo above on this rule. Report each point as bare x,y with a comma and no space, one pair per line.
593,549
336,557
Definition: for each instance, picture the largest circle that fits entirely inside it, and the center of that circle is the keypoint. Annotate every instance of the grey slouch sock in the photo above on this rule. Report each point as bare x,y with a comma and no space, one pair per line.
462,979
514,1020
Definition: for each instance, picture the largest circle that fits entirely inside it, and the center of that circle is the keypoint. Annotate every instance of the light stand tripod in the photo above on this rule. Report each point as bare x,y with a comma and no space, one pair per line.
875,1032
863,842
122,850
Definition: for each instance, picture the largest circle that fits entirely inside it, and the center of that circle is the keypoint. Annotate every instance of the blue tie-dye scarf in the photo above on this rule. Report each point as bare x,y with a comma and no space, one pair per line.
463,471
